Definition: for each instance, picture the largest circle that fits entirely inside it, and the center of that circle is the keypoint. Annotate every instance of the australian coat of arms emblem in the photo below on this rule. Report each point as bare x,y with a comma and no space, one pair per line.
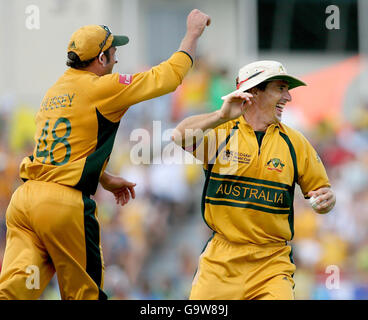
275,164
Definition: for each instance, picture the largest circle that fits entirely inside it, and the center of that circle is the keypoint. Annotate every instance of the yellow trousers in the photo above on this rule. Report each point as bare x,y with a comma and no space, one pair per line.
233,271
51,228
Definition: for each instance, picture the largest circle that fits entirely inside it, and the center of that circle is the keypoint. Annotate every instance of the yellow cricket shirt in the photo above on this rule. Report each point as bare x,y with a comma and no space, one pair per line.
249,191
80,115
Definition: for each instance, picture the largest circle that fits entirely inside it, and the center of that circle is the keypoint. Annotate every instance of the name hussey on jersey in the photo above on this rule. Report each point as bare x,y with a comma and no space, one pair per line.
61,101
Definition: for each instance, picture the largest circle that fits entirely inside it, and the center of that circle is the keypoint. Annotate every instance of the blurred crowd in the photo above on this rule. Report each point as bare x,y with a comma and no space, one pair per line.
151,245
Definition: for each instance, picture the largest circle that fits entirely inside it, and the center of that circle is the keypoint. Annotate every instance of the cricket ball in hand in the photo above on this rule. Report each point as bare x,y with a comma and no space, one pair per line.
314,202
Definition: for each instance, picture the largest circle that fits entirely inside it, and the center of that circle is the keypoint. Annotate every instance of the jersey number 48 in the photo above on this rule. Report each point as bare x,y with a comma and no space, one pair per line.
45,153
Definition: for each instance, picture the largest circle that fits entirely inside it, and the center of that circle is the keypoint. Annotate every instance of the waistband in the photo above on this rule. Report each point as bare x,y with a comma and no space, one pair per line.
222,238
51,185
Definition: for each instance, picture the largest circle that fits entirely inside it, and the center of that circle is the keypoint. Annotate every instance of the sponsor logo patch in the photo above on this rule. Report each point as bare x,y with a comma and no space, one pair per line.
235,156
125,78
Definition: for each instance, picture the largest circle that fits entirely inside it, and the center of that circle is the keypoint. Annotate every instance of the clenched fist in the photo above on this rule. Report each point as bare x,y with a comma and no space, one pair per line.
196,22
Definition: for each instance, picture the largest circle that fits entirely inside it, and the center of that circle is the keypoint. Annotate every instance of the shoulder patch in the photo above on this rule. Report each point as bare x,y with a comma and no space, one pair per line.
125,78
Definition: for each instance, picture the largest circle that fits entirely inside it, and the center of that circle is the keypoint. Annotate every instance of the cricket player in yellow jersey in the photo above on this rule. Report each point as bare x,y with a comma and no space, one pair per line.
252,162
51,220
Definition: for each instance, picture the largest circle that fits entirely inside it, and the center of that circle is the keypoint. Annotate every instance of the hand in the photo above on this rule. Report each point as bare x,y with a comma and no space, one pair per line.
323,194
235,105
121,188
196,22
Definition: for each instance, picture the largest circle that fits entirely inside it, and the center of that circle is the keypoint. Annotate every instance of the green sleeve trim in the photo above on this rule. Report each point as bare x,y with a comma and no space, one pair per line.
188,56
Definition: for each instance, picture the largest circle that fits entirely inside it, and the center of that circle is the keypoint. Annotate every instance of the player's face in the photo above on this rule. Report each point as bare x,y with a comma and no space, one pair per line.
273,100
113,60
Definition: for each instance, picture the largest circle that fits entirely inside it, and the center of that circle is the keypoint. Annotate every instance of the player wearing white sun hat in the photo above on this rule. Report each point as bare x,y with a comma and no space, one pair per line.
267,70
252,162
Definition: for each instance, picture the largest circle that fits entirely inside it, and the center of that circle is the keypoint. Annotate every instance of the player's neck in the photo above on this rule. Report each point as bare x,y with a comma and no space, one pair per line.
95,68
256,120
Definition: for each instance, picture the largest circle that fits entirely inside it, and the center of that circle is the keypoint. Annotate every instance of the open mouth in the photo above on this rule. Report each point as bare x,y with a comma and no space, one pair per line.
280,107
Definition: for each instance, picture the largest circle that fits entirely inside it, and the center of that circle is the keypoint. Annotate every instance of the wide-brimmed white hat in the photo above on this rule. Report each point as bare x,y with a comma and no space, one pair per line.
256,72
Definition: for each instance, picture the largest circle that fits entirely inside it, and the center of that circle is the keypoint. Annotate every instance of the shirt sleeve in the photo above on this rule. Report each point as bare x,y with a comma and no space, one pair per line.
205,147
312,173
114,93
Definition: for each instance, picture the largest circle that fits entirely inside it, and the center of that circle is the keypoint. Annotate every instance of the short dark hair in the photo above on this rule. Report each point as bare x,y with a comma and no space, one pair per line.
75,62
262,86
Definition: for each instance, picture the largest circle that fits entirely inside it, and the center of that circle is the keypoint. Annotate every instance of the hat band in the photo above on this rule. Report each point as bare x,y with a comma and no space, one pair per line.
252,76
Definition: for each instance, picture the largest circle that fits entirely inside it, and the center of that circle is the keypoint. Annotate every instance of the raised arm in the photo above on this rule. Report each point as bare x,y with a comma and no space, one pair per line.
115,92
196,22
233,107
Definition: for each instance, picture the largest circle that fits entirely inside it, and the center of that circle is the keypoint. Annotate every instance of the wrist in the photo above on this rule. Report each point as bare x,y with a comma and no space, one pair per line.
104,179
220,115
189,44
220,118
223,116
191,35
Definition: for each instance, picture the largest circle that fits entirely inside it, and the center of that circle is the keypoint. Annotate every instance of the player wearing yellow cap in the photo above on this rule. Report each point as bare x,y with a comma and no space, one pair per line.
51,220
252,162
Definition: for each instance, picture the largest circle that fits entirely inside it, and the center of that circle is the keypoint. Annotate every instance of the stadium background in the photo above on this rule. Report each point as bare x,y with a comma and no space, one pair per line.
151,245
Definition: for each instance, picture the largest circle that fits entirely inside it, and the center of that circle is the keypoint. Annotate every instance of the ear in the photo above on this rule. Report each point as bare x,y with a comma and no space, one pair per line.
253,91
101,60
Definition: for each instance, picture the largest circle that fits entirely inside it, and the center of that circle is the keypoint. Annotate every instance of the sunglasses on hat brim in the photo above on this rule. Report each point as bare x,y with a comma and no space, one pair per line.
116,42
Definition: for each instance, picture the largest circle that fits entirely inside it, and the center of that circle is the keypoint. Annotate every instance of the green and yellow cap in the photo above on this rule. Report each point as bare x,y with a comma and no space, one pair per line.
89,41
